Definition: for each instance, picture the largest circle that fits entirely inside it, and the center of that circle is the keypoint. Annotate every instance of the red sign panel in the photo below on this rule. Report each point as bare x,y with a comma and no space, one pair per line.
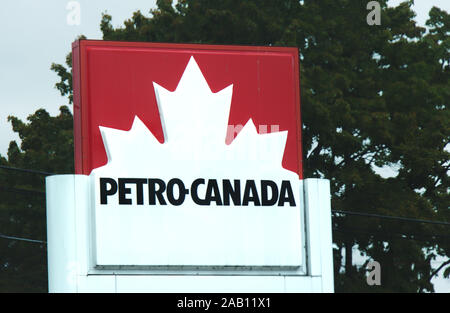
113,83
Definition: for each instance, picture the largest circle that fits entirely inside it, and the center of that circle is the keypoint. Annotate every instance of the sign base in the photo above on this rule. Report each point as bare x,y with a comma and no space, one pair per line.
71,252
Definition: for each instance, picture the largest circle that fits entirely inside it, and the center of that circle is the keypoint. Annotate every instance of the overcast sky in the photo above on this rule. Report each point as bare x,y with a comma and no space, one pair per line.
35,33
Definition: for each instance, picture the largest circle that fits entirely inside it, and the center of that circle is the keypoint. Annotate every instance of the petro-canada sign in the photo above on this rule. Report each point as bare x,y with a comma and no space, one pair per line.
193,151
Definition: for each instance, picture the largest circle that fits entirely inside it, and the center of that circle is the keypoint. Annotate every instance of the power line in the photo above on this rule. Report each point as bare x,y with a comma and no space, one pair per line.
21,239
398,218
406,219
25,170
22,191
388,235
345,230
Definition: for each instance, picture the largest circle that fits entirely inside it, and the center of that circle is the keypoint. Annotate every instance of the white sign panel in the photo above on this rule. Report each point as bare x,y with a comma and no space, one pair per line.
195,200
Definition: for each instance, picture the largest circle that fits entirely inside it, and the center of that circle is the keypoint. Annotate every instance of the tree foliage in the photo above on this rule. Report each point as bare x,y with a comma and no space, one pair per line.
47,145
371,97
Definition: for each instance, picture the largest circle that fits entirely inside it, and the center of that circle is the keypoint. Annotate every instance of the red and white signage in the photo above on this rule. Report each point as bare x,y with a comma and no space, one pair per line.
194,152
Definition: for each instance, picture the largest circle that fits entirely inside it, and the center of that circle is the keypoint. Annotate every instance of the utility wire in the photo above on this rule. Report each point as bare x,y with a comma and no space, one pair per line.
25,170
345,230
398,218
21,239
22,191
387,236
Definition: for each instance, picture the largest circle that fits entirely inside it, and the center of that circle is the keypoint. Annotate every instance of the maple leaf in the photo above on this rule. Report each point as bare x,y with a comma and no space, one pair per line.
195,125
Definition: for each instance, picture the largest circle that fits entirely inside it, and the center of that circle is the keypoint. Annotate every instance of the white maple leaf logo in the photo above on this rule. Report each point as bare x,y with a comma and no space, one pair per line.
195,125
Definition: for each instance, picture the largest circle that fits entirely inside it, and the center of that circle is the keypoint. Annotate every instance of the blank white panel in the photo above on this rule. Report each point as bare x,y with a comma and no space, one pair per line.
201,284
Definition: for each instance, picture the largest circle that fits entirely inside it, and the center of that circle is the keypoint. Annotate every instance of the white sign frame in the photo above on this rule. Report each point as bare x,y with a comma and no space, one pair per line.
71,262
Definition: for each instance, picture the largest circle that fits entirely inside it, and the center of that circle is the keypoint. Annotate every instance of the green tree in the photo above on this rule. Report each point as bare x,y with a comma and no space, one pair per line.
371,96
47,145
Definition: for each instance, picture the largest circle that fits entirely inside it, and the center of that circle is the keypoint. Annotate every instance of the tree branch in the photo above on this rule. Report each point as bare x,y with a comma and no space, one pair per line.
438,269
